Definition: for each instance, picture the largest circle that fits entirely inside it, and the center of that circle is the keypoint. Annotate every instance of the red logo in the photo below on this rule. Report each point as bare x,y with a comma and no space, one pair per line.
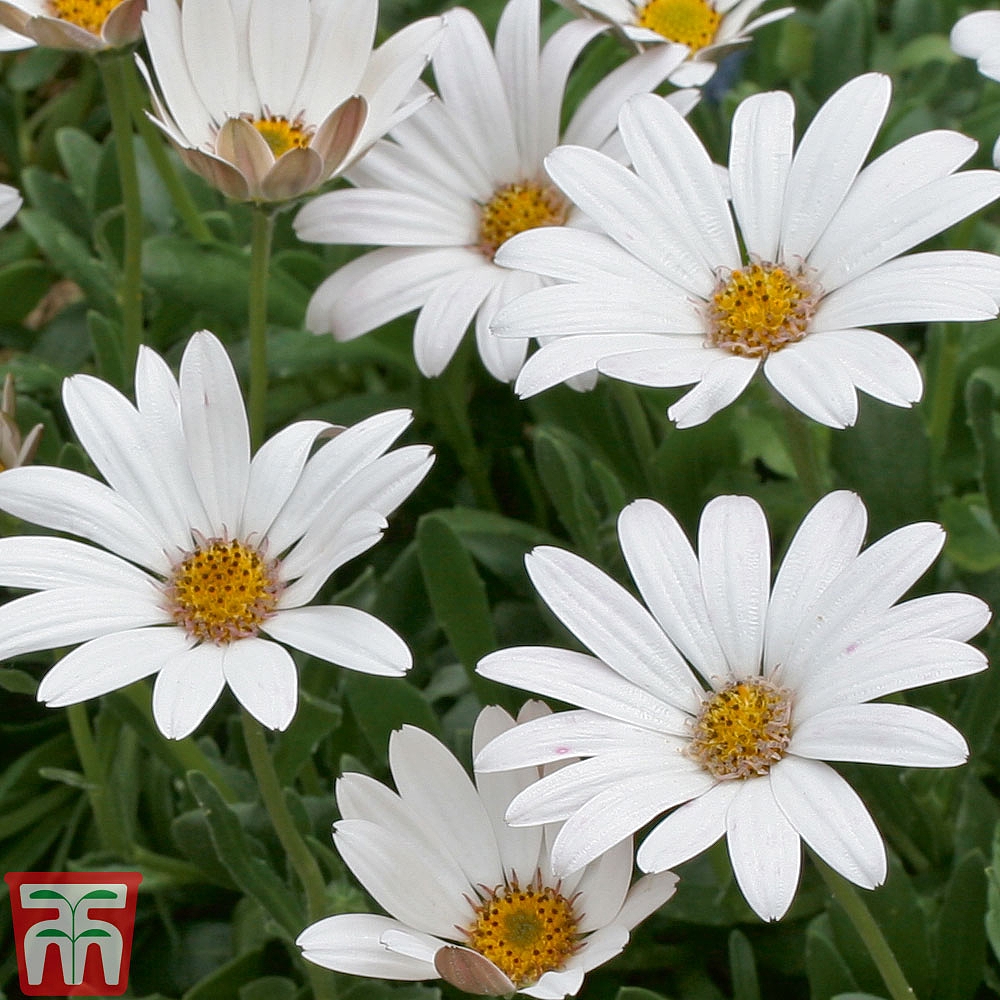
73,931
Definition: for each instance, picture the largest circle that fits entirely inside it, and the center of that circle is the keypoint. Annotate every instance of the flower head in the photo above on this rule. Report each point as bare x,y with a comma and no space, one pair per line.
709,28
453,183
664,294
724,696
207,557
268,100
474,902
79,25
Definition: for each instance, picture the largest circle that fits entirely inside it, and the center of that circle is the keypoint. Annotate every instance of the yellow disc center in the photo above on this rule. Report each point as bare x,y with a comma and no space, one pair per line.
760,309
222,591
87,14
743,729
280,134
690,22
525,932
516,208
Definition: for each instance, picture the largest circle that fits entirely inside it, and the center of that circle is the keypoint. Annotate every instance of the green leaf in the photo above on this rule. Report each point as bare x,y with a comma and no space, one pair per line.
314,720
233,850
841,45
973,539
94,932
637,993
17,681
106,337
381,705
827,971
225,982
100,894
269,988
53,195
960,939
74,779
743,968
80,155
22,285
992,922
47,894
54,932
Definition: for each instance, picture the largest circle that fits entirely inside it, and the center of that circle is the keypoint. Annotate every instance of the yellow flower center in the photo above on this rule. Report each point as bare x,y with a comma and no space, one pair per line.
690,22
515,208
760,309
525,932
87,14
281,134
743,729
222,591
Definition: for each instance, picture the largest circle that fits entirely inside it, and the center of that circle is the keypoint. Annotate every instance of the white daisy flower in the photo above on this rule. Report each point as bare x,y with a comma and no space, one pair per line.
268,100
458,179
723,696
472,901
709,28
206,557
10,203
673,293
79,25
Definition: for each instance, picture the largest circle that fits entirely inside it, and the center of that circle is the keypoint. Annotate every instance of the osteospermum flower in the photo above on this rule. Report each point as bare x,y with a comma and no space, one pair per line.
472,901
268,100
80,25
206,558
725,697
709,28
458,179
666,295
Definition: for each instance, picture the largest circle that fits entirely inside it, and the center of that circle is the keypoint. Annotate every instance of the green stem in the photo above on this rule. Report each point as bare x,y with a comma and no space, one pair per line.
941,392
868,930
260,259
801,440
640,433
154,140
113,74
86,750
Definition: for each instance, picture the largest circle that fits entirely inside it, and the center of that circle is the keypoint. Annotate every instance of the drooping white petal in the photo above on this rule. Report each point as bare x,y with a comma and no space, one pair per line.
721,383
811,378
603,886
646,896
503,357
830,817
264,680
186,688
689,830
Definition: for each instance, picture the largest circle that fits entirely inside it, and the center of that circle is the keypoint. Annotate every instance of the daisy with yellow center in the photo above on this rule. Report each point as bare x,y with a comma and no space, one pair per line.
268,100
785,272
81,25
204,558
474,903
452,185
719,700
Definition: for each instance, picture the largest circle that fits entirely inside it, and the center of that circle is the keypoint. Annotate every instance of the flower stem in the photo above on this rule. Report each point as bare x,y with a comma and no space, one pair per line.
260,259
114,77
640,433
945,352
86,750
868,930
153,138
801,440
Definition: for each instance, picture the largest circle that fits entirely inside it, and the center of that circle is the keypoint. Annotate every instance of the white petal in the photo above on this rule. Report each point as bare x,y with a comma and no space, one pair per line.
975,36
764,849
109,662
186,688
351,943
720,385
814,382
880,734
665,569
346,636
37,562
211,53
603,885
502,357
264,680
517,57
580,680
613,625
677,361
734,552
216,431
279,42
646,896
830,817
760,154
689,830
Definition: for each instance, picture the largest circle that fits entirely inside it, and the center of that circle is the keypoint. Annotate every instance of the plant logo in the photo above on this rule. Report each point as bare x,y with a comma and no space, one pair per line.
73,931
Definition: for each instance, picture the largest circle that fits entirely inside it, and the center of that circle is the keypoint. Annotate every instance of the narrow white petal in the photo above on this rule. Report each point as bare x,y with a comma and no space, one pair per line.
581,680
830,817
216,430
567,982
503,357
665,569
689,830
613,625
764,849
677,361
975,36
436,789
647,895
812,380
415,887
603,886
264,680
109,662
351,943
53,618
734,552
721,384
186,688
211,53
517,56
880,734
828,160
279,42
828,540
942,616
760,155
37,562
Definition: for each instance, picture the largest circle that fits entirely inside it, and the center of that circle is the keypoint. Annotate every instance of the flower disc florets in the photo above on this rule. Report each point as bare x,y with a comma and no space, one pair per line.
759,309
515,209
223,590
525,931
87,14
690,22
742,729
281,134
